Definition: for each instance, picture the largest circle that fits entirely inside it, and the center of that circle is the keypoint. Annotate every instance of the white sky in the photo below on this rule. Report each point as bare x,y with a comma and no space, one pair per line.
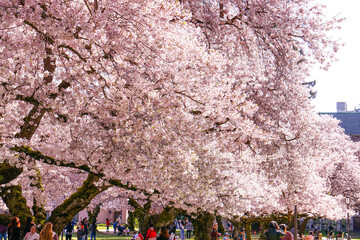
342,82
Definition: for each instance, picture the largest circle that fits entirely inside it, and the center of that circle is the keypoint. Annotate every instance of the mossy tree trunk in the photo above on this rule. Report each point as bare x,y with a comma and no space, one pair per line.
39,213
248,230
8,172
221,228
94,213
164,219
236,226
131,221
14,200
142,214
303,226
38,208
203,223
78,201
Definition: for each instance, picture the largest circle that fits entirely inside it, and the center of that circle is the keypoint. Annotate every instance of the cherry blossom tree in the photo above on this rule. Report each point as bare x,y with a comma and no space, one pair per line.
198,104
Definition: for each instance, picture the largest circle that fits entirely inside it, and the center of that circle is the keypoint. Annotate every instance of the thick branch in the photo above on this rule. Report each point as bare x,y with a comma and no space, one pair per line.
14,200
8,172
78,201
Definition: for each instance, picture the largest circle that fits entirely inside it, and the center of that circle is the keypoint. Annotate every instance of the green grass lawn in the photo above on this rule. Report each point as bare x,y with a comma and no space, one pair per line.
111,236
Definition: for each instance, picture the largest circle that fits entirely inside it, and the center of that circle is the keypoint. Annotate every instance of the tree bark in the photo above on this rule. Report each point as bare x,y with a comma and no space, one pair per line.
303,226
14,200
131,221
203,223
78,201
248,230
221,228
8,172
93,215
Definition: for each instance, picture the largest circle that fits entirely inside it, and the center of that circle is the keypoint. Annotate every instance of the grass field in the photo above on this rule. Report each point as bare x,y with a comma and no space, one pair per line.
101,235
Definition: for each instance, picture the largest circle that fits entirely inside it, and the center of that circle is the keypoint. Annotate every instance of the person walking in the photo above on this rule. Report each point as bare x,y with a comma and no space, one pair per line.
14,230
288,235
93,228
68,231
47,233
151,233
273,232
189,227
32,235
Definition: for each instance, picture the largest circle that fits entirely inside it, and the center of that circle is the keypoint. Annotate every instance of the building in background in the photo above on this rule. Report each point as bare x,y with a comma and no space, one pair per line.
349,120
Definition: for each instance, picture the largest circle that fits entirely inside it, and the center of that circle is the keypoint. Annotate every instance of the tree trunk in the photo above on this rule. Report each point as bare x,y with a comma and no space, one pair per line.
142,214
221,228
303,226
78,201
39,213
14,200
203,223
164,219
93,215
131,221
248,230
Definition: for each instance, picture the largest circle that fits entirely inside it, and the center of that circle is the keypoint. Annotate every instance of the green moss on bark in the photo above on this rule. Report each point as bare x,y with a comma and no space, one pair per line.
78,201
221,228
203,222
14,200
39,213
131,221
8,172
94,214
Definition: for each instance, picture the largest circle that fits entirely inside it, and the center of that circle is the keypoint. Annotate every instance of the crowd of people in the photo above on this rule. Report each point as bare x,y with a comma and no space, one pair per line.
14,231
167,233
273,232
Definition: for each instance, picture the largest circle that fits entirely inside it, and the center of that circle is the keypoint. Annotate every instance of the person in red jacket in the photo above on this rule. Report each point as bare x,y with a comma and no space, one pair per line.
107,224
151,233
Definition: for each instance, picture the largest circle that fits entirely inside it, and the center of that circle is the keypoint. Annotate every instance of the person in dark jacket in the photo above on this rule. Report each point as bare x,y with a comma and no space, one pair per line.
93,228
14,230
273,232
69,230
